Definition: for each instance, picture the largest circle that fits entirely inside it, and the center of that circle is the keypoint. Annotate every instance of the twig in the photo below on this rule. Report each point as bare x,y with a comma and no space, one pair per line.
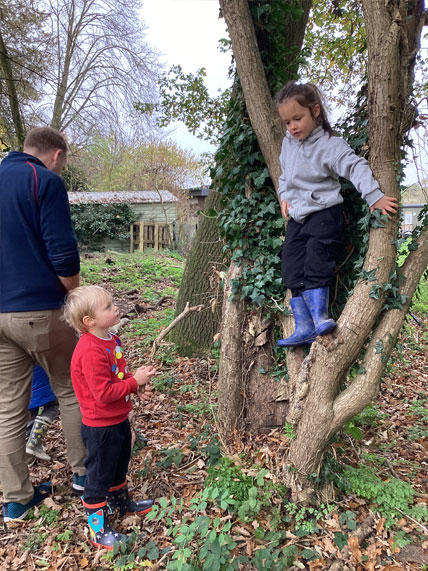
425,530
164,333
391,469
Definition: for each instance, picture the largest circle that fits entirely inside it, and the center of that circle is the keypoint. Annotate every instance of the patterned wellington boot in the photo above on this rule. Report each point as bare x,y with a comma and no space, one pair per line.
118,498
38,432
304,333
317,302
102,534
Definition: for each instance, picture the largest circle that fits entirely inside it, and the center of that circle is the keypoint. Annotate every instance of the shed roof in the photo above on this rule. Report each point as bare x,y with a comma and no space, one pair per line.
131,197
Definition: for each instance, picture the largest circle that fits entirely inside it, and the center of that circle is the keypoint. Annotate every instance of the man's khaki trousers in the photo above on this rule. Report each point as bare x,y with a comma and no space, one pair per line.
26,338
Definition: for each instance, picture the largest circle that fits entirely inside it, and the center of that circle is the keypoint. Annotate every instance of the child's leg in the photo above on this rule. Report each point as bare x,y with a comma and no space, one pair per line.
103,445
118,496
293,254
50,410
324,233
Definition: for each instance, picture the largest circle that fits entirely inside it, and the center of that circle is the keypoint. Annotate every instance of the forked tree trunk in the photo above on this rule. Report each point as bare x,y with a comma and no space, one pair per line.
318,407
246,358
326,409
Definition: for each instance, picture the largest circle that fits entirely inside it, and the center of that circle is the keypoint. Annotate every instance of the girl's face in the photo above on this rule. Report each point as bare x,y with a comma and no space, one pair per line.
298,120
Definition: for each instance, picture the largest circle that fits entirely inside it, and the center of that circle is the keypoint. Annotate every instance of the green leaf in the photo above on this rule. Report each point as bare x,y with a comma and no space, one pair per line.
340,540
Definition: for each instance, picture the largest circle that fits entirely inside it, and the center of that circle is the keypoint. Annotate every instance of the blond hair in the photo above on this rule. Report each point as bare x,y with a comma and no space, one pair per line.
82,301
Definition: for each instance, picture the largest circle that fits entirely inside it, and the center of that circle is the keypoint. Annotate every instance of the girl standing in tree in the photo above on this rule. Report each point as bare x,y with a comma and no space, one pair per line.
312,161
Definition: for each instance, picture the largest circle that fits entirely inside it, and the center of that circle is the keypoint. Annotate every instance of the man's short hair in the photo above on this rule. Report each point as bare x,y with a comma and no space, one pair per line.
45,139
83,301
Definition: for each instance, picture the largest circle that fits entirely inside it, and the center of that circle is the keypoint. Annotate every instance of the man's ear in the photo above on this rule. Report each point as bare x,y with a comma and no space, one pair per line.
88,321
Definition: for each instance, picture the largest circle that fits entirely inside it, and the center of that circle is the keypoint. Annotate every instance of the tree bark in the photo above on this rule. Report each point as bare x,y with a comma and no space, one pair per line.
201,284
12,94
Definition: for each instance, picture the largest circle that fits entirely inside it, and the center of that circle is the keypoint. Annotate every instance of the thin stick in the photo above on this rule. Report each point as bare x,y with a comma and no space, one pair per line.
164,333
413,520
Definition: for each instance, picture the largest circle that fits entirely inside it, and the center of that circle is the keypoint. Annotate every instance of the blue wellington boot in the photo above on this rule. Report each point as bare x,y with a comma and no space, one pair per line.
118,498
317,302
304,333
101,532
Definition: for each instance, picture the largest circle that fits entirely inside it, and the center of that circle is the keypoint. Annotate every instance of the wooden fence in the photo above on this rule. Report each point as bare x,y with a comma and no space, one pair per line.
154,235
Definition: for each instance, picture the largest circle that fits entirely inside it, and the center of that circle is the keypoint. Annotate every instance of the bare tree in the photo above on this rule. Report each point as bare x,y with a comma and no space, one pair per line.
93,64
22,65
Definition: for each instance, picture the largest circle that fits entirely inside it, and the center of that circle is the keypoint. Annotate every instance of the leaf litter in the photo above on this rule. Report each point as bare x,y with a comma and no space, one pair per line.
167,463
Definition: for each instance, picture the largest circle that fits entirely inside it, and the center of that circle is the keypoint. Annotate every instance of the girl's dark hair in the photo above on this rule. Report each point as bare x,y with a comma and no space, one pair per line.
307,95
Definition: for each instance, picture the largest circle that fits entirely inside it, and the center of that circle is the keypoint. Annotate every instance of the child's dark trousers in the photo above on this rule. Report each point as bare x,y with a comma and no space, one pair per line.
308,255
108,451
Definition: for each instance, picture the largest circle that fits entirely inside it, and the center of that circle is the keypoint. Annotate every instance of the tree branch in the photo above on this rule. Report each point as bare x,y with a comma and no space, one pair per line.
164,333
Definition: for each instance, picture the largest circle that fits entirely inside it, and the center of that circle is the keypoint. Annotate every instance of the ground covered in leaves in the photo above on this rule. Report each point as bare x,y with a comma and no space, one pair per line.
215,512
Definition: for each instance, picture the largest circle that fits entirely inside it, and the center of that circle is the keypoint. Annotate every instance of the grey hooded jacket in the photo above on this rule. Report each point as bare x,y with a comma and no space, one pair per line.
310,173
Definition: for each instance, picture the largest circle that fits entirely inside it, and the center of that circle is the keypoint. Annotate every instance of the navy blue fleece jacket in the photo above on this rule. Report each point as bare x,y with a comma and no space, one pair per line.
37,237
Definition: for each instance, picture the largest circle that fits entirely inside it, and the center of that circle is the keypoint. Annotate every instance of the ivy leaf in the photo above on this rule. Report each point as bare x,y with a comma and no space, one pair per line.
340,540
379,346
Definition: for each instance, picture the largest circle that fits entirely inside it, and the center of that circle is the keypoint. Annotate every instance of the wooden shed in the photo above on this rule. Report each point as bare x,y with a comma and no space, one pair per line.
156,211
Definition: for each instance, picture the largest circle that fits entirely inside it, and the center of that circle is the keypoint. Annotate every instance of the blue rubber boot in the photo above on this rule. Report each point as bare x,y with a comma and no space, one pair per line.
317,302
101,532
304,333
118,498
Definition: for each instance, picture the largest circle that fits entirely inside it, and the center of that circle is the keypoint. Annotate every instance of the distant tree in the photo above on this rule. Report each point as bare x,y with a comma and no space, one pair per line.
114,164
23,65
73,64
102,63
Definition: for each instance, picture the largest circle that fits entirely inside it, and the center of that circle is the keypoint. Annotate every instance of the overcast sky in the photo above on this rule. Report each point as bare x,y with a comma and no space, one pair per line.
187,32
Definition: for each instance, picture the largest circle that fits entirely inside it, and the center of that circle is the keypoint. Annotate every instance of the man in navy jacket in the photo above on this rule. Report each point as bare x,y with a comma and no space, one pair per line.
39,263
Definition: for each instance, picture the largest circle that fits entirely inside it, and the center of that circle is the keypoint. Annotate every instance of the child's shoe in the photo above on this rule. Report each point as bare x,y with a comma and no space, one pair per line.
78,485
13,511
118,498
102,534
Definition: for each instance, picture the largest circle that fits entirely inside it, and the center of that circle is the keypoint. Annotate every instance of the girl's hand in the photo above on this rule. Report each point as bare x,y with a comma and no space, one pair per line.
284,209
144,374
386,204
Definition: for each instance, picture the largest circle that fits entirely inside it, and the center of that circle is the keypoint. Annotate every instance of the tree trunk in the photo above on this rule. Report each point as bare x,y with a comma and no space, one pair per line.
318,406
201,284
12,95
261,404
325,409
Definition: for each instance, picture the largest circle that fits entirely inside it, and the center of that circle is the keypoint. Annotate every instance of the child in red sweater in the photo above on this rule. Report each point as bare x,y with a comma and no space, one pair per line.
103,386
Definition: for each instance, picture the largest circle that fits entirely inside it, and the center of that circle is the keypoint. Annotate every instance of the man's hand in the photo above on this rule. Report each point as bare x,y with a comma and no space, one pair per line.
70,282
284,209
386,204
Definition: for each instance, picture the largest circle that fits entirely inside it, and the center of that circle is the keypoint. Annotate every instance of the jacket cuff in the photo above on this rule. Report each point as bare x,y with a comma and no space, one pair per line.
133,385
373,196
